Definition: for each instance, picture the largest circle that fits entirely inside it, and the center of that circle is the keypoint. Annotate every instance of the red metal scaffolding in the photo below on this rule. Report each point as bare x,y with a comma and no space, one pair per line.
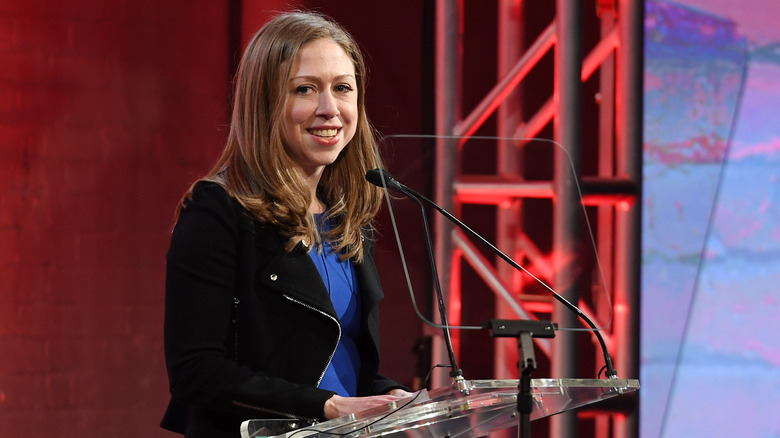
612,194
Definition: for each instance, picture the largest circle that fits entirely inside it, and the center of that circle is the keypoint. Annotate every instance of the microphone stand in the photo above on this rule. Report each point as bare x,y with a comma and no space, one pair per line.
523,331
456,373
382,178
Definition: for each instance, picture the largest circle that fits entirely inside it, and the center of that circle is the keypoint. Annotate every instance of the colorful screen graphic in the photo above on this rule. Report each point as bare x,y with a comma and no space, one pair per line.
710,328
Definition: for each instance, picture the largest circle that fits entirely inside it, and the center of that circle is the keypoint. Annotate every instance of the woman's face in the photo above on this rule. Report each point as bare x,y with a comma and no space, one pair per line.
321,109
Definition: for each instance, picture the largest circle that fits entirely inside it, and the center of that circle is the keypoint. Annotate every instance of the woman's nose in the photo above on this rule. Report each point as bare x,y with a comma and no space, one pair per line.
328,107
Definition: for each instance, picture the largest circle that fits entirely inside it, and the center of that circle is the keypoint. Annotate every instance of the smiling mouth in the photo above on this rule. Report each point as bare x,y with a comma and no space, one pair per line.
326,133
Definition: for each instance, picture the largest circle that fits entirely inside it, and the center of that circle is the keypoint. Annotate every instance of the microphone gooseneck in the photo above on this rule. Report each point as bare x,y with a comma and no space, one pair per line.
383,178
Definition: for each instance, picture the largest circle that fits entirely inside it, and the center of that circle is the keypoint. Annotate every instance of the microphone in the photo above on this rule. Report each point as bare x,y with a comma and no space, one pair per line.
383,178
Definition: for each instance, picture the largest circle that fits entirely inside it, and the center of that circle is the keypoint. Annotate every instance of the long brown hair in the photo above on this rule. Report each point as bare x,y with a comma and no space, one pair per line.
254,166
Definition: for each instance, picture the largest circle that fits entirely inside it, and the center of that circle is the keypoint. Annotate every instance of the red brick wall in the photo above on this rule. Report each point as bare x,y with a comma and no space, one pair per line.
108,110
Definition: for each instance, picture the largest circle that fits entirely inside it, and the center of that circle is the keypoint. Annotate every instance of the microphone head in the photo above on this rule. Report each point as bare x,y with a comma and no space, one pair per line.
382,178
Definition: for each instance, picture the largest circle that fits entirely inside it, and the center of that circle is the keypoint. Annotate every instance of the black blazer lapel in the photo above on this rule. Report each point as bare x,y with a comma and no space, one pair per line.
290,273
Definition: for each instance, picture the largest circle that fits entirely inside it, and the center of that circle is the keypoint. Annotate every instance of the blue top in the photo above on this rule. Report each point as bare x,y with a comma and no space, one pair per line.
340,280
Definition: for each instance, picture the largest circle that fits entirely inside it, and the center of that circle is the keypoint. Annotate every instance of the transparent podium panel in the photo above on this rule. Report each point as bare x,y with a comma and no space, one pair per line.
472,408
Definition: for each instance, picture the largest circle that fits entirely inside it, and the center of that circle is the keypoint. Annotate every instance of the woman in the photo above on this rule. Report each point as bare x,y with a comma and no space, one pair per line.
271,288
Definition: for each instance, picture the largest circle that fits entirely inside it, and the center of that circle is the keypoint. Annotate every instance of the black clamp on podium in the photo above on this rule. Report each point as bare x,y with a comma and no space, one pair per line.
524,331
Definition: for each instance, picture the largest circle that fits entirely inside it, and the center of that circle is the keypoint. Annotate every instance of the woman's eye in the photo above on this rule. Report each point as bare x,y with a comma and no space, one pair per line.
303,89
343,88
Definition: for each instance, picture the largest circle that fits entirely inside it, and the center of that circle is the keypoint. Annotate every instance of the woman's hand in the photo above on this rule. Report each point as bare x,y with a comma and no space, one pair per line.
338,406
398,392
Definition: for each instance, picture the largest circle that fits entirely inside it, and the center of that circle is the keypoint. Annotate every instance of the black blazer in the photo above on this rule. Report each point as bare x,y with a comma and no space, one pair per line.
249,327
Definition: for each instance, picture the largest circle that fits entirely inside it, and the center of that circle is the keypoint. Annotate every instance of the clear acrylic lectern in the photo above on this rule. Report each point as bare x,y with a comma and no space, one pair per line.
472,409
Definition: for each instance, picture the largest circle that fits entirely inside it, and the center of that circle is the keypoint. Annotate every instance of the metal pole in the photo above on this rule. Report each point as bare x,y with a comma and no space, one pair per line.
448,110
606,224
568,127
629,221
509,214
